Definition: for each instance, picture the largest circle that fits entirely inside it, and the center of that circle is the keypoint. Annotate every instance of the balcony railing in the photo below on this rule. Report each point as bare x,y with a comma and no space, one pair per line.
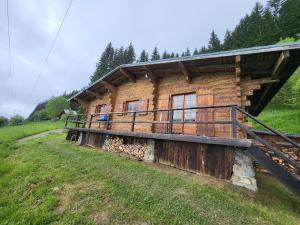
87,120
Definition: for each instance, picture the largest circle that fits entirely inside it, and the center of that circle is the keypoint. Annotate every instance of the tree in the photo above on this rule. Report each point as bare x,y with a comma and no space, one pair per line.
227,44
144,56
105,63
214,43
3,121
166,55
56,105
16,120
155,54
187,52
289,18
41,115
129,54
274,6
195,52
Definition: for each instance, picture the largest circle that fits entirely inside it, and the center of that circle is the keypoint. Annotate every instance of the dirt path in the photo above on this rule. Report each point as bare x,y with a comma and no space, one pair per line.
42,134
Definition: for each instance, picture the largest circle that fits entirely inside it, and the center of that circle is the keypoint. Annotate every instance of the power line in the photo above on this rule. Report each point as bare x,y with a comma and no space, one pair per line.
50,50
9,47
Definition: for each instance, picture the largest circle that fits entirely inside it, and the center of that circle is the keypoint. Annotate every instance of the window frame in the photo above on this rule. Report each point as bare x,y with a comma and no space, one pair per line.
137,105
100,107
184,111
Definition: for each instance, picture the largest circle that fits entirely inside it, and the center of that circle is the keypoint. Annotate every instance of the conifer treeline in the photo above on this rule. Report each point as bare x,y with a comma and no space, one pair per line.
279,19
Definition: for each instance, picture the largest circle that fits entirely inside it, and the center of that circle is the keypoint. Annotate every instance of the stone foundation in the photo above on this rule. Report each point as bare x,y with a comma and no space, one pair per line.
243,171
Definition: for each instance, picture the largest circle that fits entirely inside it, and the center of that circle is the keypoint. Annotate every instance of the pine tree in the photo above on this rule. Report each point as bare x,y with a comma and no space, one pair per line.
289,18
172,55
227,44
118,57
214,43
274,6
144,56
196,52
105,63
129,54
177,55
165,55
155,54
187,52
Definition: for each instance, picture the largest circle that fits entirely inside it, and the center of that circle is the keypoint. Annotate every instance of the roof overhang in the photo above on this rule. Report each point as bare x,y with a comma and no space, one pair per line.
258,62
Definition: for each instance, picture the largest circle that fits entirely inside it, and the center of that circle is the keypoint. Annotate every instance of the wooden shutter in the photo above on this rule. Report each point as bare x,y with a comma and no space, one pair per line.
119,108
143,106
162,103
205,98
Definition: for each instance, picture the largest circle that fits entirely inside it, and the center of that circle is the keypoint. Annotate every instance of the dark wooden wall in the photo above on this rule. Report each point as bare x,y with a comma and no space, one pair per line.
206,159
213,160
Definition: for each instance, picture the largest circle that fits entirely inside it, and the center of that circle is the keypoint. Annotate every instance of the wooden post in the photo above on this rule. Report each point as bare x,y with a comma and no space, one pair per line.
170,125
233,122
77,121
66,123
133,121
91,119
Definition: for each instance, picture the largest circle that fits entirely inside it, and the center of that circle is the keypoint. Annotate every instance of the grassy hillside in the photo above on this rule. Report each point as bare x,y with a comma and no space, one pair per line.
10,133
50,180
286,120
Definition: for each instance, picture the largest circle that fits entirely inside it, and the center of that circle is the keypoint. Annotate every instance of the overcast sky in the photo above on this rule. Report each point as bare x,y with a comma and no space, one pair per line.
173,25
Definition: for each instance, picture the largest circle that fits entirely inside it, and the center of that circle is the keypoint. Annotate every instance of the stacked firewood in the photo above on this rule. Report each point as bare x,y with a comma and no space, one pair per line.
112,144
291,153
116,145
135,150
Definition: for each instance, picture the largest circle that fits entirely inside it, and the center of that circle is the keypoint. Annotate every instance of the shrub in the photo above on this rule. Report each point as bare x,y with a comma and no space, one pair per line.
3,121
16,120
56,105
40,115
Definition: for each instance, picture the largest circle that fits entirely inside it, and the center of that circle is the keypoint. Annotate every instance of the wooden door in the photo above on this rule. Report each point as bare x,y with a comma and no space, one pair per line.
205,98
162,116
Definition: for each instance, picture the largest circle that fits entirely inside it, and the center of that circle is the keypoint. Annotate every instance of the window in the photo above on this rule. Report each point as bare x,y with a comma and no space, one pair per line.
101,108
132,106
184,101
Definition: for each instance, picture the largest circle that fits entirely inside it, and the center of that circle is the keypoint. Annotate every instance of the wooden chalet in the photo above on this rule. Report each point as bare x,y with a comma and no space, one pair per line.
193,112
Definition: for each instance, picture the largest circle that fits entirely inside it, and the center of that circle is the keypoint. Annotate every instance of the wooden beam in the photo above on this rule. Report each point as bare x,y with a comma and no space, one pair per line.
97,95
128,75
82,102
172,137
185,71
150,74
238,59
281,61
108,85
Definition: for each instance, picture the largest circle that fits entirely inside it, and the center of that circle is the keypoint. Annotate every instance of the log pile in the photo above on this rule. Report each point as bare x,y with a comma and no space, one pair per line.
136,151
291,153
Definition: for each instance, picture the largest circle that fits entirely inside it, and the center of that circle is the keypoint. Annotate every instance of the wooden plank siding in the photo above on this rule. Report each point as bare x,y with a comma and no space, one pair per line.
206,159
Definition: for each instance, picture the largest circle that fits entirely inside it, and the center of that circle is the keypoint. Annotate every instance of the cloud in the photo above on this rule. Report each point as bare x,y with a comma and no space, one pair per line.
173,25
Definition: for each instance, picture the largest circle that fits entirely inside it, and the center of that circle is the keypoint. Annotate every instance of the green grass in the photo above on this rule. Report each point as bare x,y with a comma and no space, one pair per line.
285,120
52,181
10,133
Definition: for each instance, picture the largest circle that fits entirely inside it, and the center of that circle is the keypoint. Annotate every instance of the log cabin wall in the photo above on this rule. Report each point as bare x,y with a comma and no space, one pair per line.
210,89
142,91
220,86
105,99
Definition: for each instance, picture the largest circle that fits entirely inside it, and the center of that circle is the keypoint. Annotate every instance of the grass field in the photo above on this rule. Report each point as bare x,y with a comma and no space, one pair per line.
285,120
10,133
52,181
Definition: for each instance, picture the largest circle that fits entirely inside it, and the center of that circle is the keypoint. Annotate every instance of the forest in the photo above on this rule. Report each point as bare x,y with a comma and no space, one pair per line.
276,22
